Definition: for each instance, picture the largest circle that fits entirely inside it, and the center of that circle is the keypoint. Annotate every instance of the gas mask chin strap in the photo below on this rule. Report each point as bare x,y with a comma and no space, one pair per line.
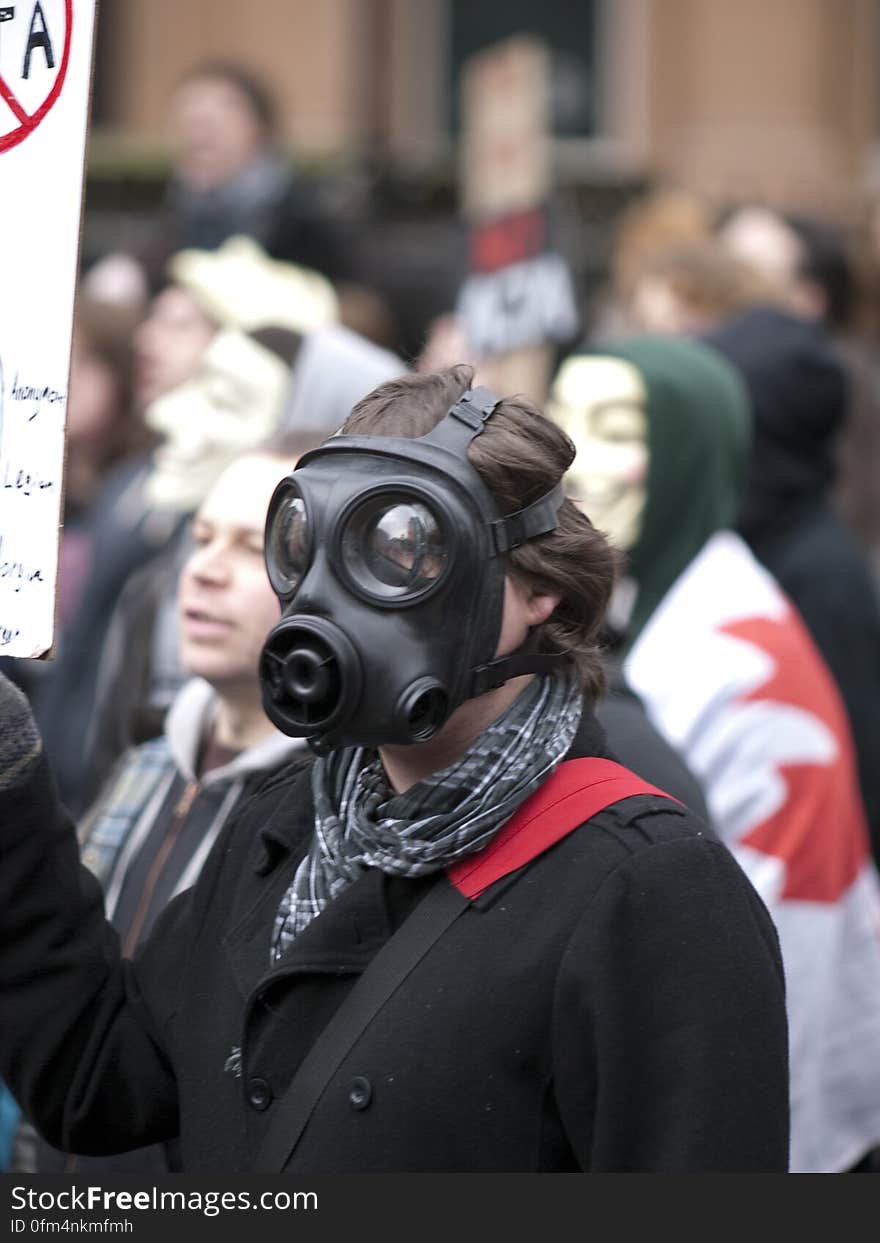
526,659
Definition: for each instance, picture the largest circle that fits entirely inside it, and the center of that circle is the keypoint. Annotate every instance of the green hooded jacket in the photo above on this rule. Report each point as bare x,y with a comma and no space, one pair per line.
698,440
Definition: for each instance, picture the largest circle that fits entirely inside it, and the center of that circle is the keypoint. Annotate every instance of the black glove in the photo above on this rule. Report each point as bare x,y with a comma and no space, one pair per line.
20,742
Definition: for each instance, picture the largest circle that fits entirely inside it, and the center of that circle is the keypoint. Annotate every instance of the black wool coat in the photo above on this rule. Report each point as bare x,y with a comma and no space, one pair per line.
615,1005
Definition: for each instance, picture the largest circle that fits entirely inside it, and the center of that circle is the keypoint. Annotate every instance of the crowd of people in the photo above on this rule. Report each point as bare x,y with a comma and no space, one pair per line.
434,779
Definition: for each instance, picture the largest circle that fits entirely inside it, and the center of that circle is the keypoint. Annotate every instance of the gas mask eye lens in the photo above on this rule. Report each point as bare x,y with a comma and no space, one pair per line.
403,547
288,544
395,550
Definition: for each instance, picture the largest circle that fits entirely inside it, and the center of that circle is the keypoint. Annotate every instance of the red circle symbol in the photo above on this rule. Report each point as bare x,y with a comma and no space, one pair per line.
27,123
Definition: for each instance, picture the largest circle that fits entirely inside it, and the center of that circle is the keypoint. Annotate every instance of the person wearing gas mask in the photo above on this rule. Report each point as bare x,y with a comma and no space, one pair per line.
730,675
465,939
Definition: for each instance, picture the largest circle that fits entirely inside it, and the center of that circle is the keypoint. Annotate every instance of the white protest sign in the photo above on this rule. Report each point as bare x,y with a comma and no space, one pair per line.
45,78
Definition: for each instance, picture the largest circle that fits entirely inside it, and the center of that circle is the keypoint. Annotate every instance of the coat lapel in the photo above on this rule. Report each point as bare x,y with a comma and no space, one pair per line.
341,940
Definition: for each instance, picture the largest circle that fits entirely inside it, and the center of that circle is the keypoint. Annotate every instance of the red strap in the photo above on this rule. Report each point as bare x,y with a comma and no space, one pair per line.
575,792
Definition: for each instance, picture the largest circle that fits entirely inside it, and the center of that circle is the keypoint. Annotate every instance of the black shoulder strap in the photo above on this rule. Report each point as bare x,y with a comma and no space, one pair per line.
397,958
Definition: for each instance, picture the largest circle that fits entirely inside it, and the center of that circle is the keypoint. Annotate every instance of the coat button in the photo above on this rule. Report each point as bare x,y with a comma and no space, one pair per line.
259,1094
360,1092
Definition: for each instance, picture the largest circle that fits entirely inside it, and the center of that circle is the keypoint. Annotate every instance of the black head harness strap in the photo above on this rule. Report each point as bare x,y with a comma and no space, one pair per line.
466,420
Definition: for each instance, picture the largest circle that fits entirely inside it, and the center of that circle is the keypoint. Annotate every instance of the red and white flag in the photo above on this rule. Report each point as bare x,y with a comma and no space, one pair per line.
731,677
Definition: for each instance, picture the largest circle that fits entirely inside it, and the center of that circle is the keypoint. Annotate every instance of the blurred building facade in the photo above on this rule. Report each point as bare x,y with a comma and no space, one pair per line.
772,98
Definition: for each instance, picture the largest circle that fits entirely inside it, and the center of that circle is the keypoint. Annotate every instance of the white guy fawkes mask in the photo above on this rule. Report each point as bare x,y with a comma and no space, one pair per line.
236,400
600,403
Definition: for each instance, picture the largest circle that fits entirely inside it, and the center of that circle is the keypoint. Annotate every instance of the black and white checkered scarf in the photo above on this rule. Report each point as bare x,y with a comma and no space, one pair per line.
361,823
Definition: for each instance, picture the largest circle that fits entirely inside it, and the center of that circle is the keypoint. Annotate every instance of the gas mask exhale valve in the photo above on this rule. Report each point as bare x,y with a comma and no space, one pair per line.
387,555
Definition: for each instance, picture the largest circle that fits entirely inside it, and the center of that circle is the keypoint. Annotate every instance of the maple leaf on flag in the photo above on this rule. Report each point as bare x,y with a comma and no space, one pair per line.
819,831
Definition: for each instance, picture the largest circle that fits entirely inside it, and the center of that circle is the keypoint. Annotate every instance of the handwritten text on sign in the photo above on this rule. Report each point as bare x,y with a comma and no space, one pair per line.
45,70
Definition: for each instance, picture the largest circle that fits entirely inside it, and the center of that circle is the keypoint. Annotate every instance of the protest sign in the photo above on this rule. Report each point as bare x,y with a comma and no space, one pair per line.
45,77
518,298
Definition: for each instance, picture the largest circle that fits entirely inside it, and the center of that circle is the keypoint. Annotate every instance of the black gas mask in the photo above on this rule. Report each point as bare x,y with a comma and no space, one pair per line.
388,556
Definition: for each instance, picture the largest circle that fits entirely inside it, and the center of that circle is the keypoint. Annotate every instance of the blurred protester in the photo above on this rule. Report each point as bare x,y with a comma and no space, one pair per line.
689,288
230,177
809,261
167,801
276,360
798,396
224,331
235,400
238,286
729,673
170,343
659,220
104,427
644,968
803,257
106,438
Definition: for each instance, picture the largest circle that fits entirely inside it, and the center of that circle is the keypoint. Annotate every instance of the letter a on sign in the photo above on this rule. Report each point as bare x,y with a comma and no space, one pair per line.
45,84
38,36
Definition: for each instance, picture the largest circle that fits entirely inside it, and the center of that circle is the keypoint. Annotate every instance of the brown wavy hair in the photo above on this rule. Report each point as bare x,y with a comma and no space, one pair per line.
520,456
